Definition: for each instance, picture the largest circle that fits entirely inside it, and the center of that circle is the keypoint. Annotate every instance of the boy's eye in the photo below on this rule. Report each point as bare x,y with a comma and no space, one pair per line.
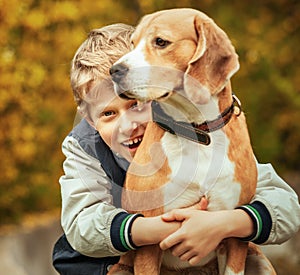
108,113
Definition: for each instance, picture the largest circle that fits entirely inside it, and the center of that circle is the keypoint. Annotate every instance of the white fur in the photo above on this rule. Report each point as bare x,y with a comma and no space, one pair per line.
198,170
135,58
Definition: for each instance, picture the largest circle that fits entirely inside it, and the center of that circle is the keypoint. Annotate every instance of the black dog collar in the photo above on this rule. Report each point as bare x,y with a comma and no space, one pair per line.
194,132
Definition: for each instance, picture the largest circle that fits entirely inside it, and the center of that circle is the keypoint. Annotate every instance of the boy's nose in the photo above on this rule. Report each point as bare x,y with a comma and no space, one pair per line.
127,126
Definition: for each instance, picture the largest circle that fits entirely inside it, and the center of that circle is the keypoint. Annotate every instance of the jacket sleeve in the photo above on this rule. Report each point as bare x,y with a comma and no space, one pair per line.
87,210
282,203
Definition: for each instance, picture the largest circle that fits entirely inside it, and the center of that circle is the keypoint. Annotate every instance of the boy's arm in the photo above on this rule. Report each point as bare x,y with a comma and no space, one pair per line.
87,210
281,202
93,226
274,210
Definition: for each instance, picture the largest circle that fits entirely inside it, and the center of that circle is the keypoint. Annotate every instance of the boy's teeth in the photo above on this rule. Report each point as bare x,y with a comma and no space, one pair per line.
131,142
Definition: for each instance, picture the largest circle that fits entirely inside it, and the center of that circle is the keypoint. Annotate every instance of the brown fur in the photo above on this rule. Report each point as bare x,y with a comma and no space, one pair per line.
149,152
240,150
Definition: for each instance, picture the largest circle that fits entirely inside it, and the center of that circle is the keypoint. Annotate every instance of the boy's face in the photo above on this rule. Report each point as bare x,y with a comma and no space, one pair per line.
121,123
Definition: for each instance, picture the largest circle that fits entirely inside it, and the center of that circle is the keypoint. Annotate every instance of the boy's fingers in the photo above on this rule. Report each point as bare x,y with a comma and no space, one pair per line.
174,215
182,214
194,260
169,241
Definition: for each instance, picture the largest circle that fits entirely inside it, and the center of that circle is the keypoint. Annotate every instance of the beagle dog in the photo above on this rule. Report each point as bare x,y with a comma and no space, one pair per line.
198,143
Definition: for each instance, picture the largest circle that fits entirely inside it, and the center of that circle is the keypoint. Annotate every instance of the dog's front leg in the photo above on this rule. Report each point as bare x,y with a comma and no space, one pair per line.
232,254
124,266
148,260
257,263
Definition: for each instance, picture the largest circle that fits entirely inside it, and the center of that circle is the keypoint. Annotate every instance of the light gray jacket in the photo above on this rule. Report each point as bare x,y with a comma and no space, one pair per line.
87,209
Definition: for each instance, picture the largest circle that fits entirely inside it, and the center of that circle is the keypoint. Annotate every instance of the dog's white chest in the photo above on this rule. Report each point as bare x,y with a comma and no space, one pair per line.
199,170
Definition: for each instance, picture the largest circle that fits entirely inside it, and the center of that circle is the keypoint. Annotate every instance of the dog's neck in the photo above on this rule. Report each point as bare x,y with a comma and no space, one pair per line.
180,108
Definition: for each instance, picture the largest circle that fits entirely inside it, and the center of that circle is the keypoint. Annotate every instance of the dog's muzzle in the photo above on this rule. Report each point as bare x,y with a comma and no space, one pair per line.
118,72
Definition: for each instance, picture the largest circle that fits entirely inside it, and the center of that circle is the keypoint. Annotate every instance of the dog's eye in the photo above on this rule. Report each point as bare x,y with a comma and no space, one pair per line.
161,42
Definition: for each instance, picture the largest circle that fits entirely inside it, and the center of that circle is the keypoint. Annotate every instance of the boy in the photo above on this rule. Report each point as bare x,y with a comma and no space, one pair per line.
98,152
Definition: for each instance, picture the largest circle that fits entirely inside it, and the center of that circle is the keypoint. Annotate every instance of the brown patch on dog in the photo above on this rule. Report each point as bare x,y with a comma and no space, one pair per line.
213,63
143,192
237,253
182,43
148,260
257,263
240,150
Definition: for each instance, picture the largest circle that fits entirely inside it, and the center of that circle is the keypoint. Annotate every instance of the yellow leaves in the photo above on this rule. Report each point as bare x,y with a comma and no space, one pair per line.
62,11
254,26
35,19
252,56
11,11
4,99
25,145
9,170
35,74
26,75
7,57
50,12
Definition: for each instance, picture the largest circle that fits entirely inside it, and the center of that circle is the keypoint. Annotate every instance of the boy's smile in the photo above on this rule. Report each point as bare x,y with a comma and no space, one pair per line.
133,143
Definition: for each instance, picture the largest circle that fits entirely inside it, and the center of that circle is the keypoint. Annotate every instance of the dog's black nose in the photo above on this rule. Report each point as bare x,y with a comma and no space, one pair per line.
117,72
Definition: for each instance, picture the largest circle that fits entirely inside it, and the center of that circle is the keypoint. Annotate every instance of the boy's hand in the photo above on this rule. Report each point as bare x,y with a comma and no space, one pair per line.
153,230
202,231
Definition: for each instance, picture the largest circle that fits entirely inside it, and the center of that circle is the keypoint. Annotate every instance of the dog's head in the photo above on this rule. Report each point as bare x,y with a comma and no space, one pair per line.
177,49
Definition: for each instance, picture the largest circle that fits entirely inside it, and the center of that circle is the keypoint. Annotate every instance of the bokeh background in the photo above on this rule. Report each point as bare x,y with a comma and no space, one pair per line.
38,41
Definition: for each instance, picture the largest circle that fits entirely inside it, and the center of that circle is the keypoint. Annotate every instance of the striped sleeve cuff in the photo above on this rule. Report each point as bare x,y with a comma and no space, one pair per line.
120,231
262,222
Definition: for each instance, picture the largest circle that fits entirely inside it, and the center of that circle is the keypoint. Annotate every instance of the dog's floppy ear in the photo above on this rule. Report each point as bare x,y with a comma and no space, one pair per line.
213,63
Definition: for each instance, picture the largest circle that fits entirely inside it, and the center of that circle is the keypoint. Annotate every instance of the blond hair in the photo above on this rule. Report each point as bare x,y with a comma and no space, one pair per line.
96,55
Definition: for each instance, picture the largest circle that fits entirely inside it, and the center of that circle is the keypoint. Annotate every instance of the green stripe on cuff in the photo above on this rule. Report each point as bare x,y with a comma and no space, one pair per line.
122,229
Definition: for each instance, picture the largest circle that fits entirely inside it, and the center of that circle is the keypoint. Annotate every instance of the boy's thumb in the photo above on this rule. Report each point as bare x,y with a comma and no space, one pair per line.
174,215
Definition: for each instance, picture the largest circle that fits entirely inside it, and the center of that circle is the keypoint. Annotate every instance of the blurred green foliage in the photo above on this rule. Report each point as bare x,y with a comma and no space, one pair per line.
39,39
